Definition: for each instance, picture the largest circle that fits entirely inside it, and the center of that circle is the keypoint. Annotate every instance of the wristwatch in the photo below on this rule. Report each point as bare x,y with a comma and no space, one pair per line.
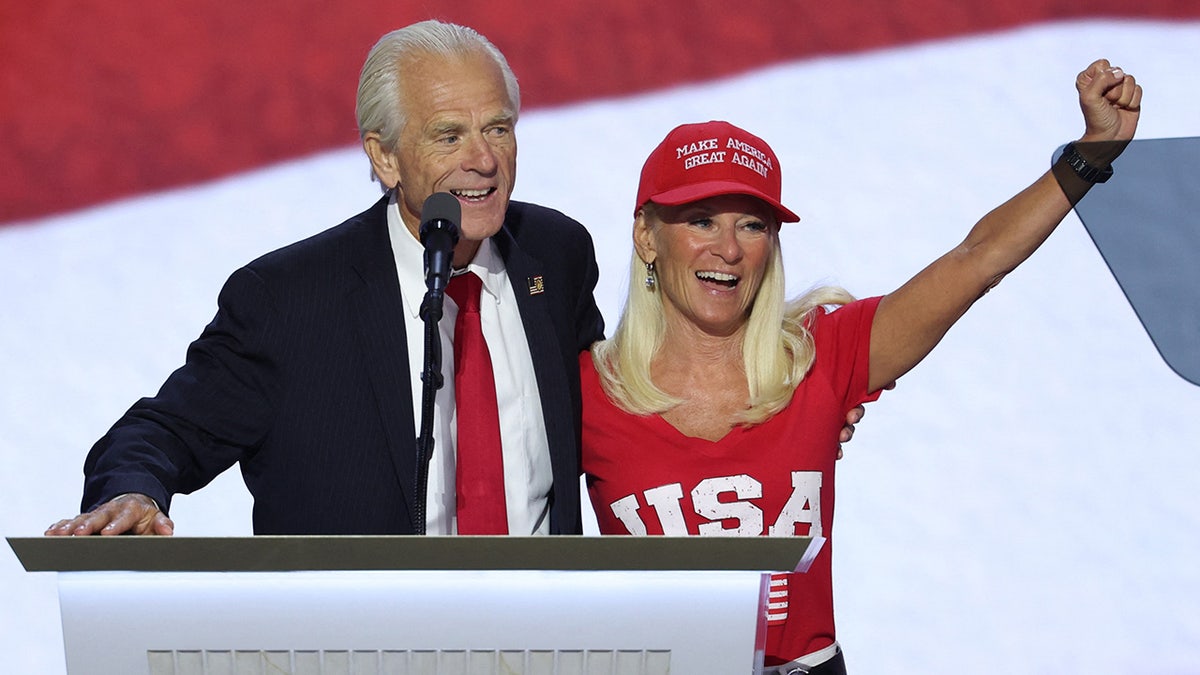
1089,173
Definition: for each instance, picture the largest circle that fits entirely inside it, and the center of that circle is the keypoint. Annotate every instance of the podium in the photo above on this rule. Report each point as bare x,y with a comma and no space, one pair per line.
412,605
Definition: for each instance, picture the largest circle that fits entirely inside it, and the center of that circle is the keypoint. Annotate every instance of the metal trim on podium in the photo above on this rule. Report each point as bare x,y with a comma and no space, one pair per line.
411,605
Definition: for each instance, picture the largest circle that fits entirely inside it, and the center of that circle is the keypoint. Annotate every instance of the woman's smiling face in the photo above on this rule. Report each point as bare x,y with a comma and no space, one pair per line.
710,257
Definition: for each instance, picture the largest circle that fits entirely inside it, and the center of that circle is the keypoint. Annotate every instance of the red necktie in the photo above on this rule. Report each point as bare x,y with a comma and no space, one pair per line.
480,466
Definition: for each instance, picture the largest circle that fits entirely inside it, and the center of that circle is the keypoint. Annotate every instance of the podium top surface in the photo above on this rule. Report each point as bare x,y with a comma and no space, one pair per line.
295,553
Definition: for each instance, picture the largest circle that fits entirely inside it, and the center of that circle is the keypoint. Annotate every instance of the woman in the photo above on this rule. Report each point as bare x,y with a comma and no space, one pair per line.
715,409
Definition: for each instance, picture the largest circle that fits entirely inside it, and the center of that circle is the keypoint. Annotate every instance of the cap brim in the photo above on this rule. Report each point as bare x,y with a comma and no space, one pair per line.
698,191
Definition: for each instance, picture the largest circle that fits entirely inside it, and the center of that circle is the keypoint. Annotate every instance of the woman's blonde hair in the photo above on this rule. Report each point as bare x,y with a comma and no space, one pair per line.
777,347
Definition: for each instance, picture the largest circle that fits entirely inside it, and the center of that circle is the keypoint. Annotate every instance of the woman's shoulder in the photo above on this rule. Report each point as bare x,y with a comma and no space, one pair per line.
854,314
589,377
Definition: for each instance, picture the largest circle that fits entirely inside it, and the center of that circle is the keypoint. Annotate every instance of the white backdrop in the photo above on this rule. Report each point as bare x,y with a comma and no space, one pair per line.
1023,500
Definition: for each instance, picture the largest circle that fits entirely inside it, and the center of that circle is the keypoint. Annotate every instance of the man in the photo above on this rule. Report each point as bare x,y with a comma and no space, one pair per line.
308,376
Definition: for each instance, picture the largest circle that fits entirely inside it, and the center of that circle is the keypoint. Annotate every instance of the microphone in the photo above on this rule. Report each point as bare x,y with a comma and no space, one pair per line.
439,233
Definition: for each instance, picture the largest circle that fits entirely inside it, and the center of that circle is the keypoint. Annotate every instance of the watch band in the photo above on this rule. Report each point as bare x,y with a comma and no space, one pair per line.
1087,172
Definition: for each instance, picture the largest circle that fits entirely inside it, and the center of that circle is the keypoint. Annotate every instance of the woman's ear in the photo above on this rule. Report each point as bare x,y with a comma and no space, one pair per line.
643,237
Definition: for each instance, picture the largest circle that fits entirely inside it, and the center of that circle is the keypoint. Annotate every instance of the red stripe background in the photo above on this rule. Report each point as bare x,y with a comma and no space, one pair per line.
100,100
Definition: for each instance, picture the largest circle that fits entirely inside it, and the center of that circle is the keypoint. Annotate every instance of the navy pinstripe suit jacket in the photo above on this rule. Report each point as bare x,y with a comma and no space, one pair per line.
302,379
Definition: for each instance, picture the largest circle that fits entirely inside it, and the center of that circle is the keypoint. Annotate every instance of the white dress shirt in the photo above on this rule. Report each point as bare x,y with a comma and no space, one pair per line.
527,471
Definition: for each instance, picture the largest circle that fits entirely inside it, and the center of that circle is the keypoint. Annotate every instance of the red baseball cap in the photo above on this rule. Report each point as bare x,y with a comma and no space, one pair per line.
696,161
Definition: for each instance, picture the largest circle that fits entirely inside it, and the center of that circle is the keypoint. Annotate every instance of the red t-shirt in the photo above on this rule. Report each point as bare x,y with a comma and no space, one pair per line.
776,478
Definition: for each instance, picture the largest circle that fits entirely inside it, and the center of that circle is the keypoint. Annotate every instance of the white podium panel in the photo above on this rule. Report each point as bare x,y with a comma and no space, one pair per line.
552,622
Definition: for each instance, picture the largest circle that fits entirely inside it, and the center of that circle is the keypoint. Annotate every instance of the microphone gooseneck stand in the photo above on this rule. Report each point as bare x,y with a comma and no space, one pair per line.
440,216
431,382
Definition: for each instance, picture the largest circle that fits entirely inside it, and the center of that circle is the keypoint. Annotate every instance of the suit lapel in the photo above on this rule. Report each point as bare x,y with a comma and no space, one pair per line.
525,275
378,310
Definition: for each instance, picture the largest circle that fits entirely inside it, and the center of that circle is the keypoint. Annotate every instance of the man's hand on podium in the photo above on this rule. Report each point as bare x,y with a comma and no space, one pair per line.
126,514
